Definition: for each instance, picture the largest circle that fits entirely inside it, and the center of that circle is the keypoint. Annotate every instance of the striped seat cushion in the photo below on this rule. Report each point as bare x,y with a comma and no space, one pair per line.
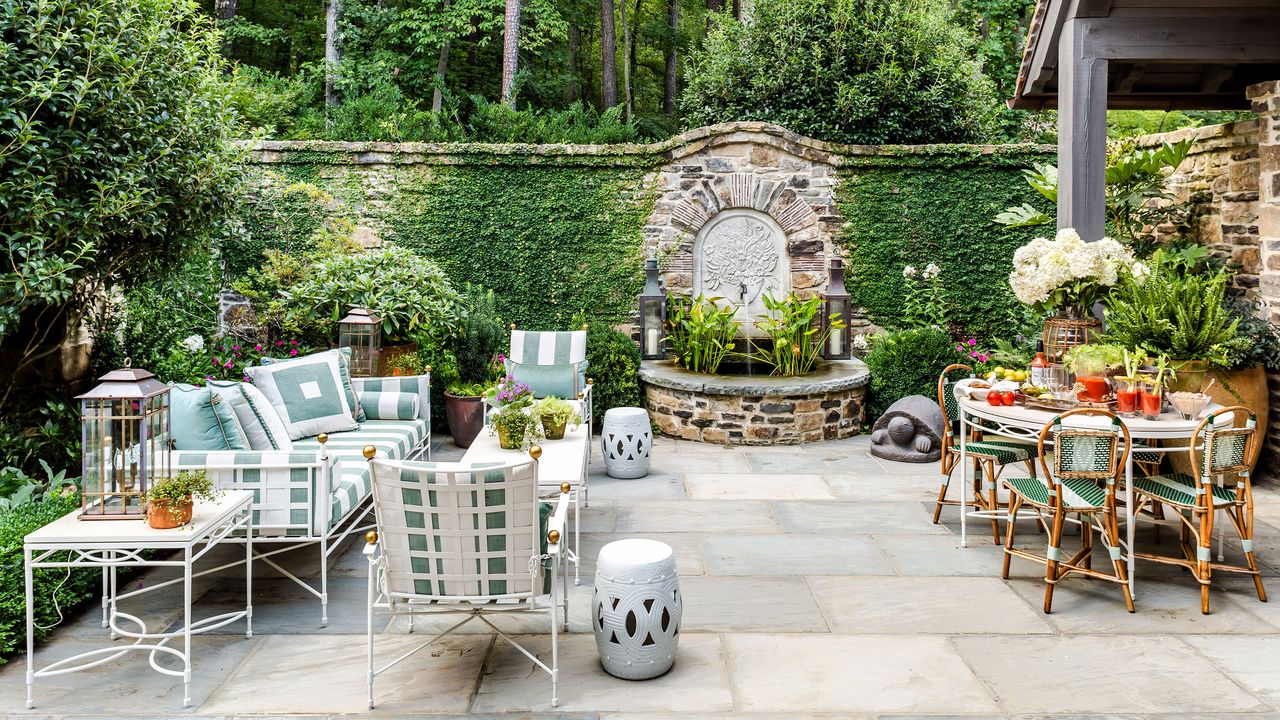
1179,489
1003,452
394,439
1077,493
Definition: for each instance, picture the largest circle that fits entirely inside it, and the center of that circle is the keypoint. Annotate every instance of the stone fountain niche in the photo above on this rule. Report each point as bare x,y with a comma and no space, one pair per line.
740,255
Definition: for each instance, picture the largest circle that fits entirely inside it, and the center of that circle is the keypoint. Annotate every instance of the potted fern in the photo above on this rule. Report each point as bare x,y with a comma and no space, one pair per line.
170,501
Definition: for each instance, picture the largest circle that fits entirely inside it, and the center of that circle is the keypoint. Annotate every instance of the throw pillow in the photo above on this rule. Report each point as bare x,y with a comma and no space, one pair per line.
307,393
201,419
389,405
546,380
344,367
261,423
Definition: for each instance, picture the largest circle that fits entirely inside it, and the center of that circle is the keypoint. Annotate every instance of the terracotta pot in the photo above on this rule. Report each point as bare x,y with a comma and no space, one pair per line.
552,430
1246,387
163,515
465,415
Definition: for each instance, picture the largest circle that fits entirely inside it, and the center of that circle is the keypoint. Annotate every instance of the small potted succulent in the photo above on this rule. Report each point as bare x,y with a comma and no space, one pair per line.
555,414
170,501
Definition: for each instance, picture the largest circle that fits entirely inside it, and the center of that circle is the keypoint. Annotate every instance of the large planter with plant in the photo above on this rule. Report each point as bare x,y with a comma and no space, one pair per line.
464,412
170,502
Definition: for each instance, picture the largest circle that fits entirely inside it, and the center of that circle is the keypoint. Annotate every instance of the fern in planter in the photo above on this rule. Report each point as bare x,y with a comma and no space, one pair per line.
1174,312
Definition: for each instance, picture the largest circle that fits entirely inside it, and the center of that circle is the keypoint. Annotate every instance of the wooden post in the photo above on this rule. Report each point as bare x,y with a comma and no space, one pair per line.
1082,135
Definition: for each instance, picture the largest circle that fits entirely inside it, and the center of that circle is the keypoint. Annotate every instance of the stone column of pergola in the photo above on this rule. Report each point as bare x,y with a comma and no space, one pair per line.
1266,103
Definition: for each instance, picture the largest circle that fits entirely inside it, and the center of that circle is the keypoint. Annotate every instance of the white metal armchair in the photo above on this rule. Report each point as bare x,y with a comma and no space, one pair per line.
475,541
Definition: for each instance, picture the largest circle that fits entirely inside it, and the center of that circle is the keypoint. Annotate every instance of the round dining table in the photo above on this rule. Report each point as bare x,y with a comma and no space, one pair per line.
1024,423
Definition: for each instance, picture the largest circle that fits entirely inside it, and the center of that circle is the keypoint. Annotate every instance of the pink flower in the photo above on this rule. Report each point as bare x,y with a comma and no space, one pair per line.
235,347
973,353
248,379
227,364
982,358
279,343
293,342
258,347
293,352
216,361
972,342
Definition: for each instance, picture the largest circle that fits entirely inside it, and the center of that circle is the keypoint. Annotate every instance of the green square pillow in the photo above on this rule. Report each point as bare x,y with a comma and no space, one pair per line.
201,419
344,369
307,393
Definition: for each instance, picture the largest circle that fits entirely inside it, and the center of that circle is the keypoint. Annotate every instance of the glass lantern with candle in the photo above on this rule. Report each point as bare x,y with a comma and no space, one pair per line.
124,427
653,314
361,331
839,307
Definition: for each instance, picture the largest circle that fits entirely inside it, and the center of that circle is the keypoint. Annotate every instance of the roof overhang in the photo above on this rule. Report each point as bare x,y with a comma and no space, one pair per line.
1162,54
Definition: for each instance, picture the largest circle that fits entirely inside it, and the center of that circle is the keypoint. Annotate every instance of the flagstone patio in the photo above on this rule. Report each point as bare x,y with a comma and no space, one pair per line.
814,584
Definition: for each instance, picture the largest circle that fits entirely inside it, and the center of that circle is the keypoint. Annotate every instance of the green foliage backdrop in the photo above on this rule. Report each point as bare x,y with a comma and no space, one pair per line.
936,207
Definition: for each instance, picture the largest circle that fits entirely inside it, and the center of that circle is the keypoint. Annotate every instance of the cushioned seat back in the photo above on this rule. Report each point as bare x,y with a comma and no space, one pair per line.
454,531
550,363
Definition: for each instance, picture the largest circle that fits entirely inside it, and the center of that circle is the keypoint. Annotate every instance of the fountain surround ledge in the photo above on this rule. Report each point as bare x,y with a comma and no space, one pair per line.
827,404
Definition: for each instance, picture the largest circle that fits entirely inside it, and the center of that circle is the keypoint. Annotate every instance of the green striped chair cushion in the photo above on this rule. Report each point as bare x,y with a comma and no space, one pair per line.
1003,452
1076,492
394,439
389,405
1179,489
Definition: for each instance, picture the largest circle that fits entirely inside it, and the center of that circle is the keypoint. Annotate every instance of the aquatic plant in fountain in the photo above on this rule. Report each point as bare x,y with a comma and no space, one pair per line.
700,331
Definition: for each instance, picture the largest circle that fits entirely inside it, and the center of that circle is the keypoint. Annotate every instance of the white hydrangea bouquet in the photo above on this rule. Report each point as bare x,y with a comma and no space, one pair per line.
1067,274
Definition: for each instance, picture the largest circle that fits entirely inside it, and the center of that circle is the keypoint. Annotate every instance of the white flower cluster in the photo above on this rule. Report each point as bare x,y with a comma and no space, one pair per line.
909,271
193,343
931,271
1043,266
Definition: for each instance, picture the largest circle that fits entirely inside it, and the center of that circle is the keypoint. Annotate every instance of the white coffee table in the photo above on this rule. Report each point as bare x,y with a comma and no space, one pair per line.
69,542
562,461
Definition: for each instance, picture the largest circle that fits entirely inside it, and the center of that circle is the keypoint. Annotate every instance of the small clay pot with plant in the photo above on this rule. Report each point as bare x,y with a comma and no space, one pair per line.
555,414
170,501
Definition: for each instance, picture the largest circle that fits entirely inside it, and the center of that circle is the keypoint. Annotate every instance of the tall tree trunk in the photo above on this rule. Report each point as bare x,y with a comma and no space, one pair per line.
608,56
627,49
224,10
332,52
510,51
715,5
442,66
669,86
571,90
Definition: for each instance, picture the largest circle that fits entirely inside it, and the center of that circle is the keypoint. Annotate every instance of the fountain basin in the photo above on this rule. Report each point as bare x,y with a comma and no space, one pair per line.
827,404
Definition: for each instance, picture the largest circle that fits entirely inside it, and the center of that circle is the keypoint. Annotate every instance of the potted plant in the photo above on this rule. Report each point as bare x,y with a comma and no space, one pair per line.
169,501
464,411
514,426
1091,363
555,414
1165,309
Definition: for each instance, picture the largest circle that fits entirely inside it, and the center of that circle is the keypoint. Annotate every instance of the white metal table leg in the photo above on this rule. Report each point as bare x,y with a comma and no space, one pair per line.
186,630
248,574
577,534
31,630
1131,524
964,479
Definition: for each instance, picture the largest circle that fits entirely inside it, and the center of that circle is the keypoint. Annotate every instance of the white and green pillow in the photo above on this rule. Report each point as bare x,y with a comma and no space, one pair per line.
307,393
344,368
260,422
201,419
389,405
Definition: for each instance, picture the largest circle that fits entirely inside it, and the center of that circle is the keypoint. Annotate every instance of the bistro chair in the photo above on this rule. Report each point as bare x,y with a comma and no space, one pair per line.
1196,501
466,541
1080,477
990,457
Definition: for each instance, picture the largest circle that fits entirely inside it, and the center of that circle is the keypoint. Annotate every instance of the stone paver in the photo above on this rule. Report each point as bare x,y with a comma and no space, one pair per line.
815,584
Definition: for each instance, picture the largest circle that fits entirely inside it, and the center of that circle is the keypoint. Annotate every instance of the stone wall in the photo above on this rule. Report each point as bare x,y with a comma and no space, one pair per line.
1266,103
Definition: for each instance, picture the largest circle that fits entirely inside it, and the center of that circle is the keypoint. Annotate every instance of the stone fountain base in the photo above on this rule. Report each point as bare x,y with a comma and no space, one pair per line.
757,410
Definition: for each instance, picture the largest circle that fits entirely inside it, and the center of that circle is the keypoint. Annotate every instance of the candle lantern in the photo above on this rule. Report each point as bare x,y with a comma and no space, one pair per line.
840,307
124,428
653,314
361,331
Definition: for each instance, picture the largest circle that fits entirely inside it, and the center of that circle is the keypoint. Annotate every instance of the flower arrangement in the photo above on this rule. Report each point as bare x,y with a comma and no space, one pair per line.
508,392
1067,273
514,427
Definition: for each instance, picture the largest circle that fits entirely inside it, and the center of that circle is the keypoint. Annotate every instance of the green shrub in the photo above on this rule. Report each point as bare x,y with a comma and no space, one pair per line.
482,336
80,585
855,71
613,363
905,363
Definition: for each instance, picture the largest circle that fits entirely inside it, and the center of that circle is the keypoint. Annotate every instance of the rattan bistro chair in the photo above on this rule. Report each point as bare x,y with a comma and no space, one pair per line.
471,541
1196,501
989,456
1080,478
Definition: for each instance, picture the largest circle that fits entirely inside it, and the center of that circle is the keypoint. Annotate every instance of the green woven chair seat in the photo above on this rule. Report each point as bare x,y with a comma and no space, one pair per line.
1003,452
1077,493
1179,489
1145,457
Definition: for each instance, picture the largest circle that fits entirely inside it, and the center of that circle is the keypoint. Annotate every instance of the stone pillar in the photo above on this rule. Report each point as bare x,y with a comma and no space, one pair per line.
1266,103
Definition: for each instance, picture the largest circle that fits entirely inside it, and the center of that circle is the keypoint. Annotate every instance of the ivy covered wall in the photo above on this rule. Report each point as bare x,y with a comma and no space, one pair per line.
559,230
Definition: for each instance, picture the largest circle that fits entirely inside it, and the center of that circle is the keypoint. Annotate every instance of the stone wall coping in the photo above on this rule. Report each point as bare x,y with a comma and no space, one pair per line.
832,376
1203,138
666,151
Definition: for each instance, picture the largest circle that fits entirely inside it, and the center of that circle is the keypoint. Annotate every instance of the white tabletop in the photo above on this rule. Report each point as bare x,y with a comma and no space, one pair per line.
1169,426
70,530
562,460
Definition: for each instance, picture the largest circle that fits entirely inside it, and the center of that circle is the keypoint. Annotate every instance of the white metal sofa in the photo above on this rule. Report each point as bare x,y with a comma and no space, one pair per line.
319,492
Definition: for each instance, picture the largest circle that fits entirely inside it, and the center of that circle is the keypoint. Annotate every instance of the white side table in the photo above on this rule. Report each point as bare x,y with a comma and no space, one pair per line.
625,442
69,542
636,608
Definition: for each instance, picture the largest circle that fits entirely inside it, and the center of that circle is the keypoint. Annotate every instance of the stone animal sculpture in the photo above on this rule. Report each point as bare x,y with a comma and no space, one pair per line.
909,431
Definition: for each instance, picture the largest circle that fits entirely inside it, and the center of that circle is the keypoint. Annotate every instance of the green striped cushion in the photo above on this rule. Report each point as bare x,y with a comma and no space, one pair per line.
261,423
1076,493
1003,452
393,439
1179,489
389,405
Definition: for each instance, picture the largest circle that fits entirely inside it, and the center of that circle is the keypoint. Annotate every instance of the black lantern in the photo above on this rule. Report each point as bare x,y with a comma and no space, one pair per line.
361,331
653,314
124,430
838,307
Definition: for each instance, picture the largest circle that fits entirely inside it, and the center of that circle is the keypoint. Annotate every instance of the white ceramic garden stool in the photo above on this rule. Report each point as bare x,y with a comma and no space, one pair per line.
636,608
625,442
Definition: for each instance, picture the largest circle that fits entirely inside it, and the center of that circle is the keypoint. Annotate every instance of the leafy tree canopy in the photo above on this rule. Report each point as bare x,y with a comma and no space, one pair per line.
856,71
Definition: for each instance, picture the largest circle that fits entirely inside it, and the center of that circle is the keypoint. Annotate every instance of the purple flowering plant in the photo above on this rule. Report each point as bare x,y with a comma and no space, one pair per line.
507,392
